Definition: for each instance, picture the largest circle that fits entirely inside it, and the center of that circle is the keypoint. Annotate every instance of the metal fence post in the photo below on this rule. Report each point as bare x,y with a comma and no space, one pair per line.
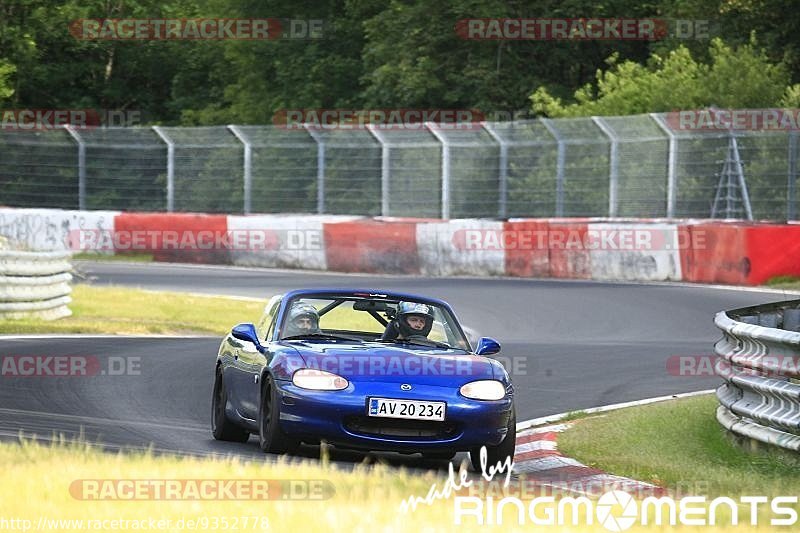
737,160
81,165
791,186
445,168
170,167
248,168
561,157
386,168
320,167
502,209
613,166
672,160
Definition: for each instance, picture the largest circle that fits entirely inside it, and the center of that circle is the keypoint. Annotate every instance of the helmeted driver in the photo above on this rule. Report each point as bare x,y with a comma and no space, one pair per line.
412,320
303,320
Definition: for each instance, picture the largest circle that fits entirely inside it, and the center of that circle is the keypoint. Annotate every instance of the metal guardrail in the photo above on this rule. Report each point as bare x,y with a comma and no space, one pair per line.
34,284
759,359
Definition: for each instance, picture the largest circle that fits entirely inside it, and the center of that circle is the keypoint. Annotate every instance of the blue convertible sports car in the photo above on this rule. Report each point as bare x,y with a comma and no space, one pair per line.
366,370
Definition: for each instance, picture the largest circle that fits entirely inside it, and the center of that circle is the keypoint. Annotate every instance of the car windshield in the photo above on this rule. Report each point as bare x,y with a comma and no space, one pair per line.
361,318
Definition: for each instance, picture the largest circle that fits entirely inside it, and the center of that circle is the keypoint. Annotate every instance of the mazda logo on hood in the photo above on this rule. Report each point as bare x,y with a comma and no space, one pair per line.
405,386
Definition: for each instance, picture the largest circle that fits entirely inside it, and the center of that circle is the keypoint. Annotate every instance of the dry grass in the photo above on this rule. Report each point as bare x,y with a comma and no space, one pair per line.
118,310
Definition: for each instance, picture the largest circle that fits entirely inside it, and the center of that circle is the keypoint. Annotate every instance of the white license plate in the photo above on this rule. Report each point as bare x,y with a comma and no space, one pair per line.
413,409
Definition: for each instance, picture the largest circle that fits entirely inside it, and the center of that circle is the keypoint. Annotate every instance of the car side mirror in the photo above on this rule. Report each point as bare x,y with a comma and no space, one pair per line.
246,332
487,346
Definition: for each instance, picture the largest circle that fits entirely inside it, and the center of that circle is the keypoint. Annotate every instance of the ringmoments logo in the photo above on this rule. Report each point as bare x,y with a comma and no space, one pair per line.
606,506
617,510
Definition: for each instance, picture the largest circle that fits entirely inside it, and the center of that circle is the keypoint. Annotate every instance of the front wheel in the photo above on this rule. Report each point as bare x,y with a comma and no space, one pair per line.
221,427
497,454
270,437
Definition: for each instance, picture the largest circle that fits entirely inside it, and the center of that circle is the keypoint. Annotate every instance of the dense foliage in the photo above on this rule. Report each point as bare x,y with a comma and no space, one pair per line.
400,54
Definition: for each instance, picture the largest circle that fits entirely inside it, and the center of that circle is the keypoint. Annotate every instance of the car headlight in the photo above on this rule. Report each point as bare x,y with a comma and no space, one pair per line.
485,389
309,378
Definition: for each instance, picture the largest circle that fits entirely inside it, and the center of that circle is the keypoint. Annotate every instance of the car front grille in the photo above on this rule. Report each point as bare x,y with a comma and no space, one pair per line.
398,428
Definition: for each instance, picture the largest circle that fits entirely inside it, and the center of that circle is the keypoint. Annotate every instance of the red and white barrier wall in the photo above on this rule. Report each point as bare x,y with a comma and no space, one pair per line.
52,229
445,248
646,250
289,241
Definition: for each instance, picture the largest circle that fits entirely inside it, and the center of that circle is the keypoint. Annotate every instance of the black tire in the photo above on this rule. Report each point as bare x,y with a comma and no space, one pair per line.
438,456
497,454
270,437
221,427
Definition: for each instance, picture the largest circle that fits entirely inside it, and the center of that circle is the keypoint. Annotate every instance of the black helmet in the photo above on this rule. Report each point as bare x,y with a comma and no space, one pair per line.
407,309
302,311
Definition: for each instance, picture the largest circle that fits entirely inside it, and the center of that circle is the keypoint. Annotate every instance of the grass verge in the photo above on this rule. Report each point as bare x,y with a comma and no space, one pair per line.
784,282
138,257
117,310
679,444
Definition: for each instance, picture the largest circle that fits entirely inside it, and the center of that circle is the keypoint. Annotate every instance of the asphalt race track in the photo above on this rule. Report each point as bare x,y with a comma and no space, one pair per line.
570,344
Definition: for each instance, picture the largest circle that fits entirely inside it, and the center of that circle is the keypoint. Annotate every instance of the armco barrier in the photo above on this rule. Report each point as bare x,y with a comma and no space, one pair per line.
34,284
759,359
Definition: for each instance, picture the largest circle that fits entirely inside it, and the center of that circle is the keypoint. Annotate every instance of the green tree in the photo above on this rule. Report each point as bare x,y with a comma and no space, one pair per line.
416,58
57,69
740,77
259,78
6,70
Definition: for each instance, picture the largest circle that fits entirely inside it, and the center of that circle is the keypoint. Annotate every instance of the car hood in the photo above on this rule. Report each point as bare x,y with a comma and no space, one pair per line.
395,364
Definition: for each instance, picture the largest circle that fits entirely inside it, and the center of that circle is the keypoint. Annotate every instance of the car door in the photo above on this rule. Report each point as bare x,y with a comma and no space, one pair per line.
251,361
229,355
235,376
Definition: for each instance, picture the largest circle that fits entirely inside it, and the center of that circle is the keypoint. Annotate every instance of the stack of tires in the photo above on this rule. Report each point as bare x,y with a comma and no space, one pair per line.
34,284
